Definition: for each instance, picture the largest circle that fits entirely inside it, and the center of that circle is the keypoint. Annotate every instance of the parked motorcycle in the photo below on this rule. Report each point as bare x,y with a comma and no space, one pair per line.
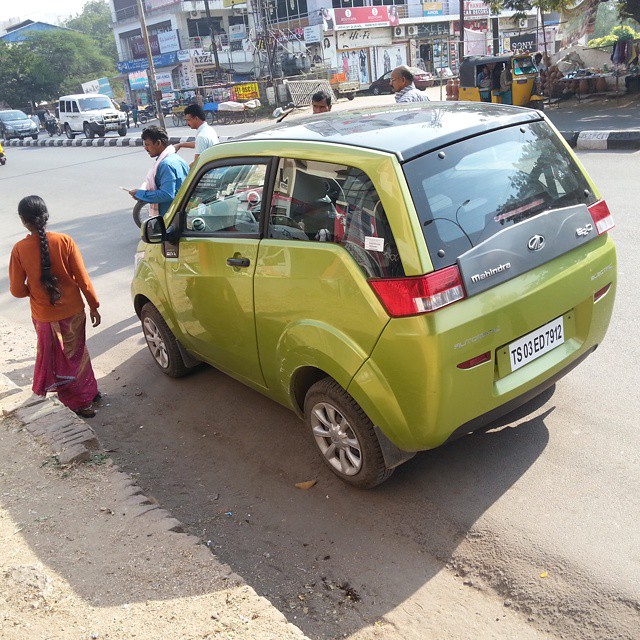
146,113
3,158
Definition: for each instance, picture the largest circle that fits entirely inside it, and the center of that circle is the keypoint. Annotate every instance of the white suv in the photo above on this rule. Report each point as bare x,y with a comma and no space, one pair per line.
91,114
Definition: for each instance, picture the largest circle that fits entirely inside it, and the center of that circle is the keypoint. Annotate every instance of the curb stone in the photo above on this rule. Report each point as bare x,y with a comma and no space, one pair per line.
603,140
95,142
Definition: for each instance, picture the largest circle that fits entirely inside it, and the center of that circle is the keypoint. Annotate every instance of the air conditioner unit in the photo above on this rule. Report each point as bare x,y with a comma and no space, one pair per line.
522,23
194,14
398,32
412,30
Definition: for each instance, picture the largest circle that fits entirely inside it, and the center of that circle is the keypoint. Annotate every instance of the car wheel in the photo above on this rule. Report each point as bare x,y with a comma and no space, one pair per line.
344,435
375,91
88,132
122,131
68,132
34,137
101,134
162,343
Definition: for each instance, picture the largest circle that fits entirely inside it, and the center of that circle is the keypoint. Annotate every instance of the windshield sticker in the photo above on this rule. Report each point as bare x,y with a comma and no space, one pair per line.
373,244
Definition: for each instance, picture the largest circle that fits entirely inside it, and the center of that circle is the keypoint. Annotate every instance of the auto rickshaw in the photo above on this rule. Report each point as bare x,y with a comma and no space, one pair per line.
524,77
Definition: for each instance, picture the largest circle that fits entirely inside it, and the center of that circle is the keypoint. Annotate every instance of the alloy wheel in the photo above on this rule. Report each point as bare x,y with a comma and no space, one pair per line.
156,342
336,439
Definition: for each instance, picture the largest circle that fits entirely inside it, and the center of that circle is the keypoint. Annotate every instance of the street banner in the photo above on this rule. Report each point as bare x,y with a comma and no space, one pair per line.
138,80
360,38
248,91
164,83
93,86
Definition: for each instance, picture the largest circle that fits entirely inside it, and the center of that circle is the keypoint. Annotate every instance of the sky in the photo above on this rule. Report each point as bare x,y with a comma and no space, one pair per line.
42,10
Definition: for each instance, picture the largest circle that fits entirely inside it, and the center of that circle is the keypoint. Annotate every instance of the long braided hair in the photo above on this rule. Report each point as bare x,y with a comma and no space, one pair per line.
33,211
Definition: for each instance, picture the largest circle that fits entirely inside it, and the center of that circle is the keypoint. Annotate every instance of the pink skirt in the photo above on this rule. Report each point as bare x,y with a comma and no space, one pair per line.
62,362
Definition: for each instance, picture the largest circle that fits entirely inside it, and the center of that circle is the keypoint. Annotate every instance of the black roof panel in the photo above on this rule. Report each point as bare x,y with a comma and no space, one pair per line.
405,130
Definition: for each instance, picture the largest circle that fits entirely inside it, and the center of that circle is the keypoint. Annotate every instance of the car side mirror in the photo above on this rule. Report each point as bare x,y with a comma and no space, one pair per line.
153,230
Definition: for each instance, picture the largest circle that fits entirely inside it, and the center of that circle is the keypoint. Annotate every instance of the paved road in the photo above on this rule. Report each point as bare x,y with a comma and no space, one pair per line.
551,492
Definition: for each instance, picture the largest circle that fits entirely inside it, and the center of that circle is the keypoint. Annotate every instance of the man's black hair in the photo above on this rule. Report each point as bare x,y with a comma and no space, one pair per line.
321,96
155,134
195,111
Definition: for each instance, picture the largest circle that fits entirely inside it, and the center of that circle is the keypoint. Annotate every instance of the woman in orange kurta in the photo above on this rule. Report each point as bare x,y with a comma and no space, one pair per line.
47,268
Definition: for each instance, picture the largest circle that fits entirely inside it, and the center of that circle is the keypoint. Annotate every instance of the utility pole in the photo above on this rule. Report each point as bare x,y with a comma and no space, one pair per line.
214,44
461,42
151,71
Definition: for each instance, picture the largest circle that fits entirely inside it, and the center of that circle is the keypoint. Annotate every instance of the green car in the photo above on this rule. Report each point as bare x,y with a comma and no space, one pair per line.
398,277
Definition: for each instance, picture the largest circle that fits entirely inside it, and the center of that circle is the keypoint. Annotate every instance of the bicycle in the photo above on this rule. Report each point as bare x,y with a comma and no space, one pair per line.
177,116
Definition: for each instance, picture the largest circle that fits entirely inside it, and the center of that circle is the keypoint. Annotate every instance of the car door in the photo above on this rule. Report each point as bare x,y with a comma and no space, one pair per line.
210,280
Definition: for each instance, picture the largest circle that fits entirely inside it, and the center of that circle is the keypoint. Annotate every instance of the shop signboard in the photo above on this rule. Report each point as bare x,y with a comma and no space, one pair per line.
522,43
232,3
359,38
474,25
248,91
168,41
476,8
138,80
433,29
432,9
354,65
358,18
183,55
201,57
90,87
313,34
164,83
288,35
237,32
163,60
187,76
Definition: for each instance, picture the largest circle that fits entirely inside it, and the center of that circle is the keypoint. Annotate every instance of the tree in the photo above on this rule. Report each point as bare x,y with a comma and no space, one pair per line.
95,21
62,60
17,86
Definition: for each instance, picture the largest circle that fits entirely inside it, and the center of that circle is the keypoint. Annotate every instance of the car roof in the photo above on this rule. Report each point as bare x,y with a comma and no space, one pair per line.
405,130
75,96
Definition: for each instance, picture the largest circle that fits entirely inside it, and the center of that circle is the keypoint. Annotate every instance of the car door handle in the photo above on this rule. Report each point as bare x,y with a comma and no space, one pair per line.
238,262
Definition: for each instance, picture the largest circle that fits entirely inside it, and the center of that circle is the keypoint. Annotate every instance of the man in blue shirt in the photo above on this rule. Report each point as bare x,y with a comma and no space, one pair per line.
167,174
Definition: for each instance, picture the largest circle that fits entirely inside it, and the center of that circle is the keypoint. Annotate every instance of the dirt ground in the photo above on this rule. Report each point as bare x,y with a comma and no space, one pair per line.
85,554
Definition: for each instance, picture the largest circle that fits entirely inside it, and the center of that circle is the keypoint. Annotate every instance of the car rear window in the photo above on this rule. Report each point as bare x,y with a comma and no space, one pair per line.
471,190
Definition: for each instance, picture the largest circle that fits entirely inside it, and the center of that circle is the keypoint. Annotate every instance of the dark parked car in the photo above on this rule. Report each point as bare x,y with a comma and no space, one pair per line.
422,80
16,124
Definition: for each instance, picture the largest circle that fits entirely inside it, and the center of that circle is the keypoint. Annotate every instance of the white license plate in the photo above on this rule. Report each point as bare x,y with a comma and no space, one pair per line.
536,343
111,127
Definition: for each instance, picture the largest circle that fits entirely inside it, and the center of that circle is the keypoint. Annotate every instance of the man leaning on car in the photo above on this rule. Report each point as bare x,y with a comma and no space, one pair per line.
403,87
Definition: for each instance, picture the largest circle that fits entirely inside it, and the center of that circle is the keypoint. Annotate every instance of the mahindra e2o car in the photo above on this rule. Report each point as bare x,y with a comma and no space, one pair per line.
397,277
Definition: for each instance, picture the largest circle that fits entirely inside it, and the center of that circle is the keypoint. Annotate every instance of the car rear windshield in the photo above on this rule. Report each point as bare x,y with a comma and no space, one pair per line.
471,190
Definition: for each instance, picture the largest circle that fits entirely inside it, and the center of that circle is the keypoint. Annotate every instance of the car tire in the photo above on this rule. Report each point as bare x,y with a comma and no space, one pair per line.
88,132
34,137
375,91
122,131
344,435
68,132
162,344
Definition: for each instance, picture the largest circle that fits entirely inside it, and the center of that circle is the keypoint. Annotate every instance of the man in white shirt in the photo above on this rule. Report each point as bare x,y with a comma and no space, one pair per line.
205,134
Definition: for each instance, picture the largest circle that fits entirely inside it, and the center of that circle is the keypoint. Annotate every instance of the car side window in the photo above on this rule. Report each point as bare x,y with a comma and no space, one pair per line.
326,202
226,199
61,107
75,106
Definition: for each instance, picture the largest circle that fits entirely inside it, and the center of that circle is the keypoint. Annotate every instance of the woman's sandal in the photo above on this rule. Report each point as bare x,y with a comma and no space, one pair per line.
86,412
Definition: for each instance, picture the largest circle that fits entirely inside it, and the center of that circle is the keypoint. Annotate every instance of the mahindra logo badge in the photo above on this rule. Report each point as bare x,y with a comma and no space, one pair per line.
535,243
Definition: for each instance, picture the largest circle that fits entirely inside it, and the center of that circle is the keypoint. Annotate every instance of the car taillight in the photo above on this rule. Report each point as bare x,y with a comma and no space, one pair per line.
413,296
601,216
